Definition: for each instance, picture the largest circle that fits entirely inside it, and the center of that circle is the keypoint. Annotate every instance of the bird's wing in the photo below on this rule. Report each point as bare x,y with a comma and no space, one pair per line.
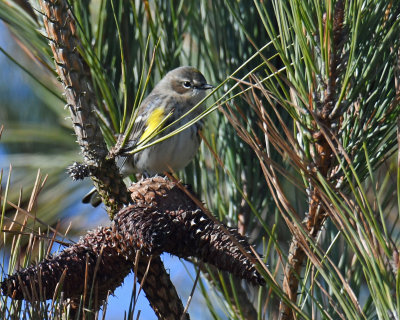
146,122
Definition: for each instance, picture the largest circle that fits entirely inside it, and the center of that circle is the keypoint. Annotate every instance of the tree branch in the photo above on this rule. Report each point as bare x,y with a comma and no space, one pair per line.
162,219
61,30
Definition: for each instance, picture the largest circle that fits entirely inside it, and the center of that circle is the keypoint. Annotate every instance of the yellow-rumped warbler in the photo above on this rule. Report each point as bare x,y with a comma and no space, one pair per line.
178,92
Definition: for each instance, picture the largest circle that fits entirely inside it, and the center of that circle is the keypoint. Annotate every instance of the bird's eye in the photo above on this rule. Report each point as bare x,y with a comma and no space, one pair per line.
187,84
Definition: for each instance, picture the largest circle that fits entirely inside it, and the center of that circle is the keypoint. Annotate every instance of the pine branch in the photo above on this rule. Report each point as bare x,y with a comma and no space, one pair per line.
162,219
324,160
115,263
61,30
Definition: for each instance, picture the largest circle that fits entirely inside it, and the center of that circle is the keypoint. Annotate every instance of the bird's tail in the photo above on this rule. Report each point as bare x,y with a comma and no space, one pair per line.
92,197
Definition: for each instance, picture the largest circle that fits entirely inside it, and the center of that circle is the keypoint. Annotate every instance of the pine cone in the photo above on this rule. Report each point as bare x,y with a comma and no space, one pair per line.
161,219
73,261
117,260
165,219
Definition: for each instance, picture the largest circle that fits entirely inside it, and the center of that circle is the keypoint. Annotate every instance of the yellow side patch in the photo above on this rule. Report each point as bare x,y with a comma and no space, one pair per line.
153,122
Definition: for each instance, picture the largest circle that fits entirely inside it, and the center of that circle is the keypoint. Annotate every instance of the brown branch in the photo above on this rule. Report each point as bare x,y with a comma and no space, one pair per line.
324,162
61,30
162,219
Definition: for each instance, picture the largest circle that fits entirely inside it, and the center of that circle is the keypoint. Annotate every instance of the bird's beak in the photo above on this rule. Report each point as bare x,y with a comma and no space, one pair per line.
206,86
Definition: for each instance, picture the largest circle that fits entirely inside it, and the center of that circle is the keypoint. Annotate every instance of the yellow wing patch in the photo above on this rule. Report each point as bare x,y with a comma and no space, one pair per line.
154,120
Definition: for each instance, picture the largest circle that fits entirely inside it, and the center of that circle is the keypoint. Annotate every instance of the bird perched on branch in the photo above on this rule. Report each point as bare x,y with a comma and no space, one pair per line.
176,94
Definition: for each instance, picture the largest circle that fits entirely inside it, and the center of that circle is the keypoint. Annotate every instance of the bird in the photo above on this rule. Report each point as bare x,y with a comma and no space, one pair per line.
174,95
